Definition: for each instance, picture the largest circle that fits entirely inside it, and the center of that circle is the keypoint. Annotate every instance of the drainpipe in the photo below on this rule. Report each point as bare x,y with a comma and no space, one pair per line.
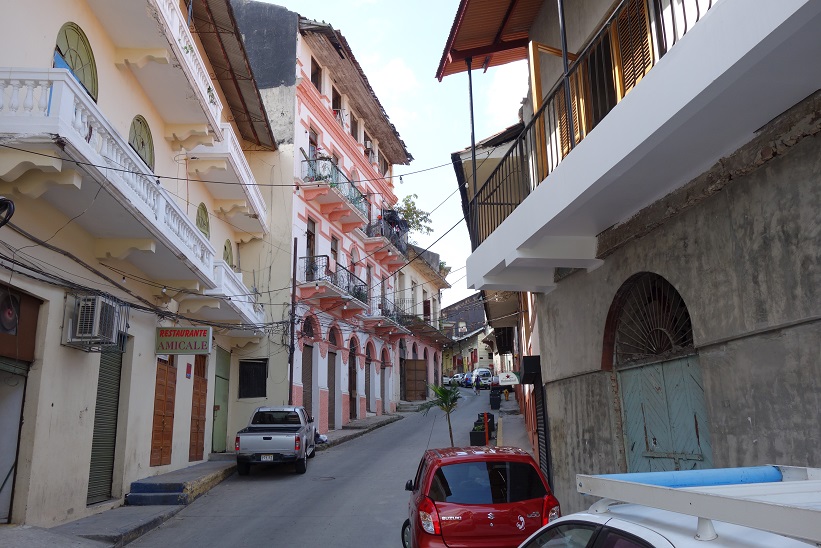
567,99
475,235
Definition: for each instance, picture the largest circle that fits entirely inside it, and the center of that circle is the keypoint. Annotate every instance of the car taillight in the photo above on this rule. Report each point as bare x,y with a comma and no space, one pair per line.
550,509
236,444
296,443
429,517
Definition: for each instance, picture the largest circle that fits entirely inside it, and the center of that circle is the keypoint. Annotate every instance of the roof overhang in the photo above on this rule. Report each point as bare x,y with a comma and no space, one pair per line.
219,34
490,32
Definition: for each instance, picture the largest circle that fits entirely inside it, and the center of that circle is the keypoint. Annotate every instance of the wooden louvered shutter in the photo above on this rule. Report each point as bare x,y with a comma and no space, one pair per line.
632,45
196,442
575,99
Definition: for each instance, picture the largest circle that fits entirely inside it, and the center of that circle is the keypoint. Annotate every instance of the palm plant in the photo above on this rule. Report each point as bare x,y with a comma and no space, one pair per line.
447,397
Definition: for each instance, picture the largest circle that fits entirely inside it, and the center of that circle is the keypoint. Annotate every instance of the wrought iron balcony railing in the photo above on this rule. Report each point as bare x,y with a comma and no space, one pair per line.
381,227
317,269
624,50
325,170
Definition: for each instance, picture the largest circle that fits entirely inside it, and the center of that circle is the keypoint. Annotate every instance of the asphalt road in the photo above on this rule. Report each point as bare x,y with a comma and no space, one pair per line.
352,495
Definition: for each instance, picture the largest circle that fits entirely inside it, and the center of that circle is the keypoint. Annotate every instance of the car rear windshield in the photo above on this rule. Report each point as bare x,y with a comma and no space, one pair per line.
486,483
276,417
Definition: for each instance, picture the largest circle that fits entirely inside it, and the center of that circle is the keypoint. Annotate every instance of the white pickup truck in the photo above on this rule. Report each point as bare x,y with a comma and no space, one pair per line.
276,435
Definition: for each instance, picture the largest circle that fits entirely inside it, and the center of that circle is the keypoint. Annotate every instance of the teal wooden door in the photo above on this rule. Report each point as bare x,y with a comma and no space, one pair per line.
665,419
219,433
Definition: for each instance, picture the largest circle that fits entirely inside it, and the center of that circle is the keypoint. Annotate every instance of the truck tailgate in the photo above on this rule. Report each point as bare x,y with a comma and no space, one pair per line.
268,440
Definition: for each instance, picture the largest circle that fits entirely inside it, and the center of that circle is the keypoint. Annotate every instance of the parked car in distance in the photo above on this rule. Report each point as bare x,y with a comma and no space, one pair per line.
477,496
276,435
456,380
446,380
467,379
483,376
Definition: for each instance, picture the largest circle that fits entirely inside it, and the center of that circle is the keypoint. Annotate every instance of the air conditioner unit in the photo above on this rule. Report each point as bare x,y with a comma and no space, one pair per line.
96,319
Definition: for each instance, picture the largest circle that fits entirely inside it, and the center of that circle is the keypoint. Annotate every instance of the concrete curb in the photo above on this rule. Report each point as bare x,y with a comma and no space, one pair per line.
357,433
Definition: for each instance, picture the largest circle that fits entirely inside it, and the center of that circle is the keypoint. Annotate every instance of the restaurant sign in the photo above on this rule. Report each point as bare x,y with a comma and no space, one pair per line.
183,340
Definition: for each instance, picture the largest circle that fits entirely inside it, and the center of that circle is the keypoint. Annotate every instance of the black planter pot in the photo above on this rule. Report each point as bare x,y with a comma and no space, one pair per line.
477,437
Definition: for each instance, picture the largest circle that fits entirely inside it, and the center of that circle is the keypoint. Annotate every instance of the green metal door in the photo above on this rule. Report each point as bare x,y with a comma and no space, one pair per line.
101,468
665,419
219,434
12,390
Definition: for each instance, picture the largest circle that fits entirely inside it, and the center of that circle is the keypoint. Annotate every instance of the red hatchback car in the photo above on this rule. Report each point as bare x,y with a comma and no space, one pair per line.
477,497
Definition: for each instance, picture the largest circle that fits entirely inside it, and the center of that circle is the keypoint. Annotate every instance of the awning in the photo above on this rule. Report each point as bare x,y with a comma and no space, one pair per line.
491,32
508,378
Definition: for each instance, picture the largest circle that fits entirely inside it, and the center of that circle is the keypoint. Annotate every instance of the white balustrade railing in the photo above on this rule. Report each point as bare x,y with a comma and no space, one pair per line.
246,177
185,49
38,102
231,287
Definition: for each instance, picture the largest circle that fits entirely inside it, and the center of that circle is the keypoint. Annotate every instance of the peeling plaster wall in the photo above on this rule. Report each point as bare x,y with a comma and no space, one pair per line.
741,244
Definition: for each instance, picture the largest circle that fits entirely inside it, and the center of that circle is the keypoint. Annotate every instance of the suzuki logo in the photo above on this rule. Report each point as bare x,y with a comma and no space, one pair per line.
490,516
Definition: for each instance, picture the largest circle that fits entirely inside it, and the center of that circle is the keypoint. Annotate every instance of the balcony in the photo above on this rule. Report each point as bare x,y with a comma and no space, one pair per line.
153,41
231,301
660,122
338,198
425,325
384,318
223,169
386,243
337,289
75,152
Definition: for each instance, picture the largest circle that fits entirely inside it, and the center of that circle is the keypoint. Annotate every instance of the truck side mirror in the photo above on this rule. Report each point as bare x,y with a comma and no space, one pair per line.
409,485
310,419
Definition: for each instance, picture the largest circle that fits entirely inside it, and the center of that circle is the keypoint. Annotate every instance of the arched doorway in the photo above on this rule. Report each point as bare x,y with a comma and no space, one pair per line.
333,340
402,355
649,343
368,365
386,400
352,351
308,366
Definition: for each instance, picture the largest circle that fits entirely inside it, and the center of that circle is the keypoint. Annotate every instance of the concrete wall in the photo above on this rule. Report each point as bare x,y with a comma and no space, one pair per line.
741,245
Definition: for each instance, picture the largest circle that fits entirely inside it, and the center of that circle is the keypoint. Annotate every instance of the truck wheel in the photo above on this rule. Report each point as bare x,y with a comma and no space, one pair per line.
312,454
243,468
302,465
406,534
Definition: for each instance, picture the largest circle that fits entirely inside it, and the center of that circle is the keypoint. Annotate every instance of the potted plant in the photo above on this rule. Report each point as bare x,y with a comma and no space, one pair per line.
477,435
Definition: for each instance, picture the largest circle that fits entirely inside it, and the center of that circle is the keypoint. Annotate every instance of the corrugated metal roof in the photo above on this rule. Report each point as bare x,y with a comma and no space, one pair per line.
491,32
217,30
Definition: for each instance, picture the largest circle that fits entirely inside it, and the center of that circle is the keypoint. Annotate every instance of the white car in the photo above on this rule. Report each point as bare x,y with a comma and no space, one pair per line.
753,507
446,380
456,380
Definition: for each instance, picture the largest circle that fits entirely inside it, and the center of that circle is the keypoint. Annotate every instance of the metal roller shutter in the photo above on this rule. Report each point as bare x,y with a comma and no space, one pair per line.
105,428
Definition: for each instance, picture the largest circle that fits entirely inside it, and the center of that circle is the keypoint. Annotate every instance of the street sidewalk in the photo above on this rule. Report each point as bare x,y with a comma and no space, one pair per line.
119,526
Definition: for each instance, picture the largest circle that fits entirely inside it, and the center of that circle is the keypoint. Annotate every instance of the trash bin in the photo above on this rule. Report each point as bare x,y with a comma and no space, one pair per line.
495,401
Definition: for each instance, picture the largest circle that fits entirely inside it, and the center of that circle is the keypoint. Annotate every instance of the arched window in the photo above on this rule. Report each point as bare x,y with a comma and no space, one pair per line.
308,328
648,318
139,137
228,253
73,52
202,220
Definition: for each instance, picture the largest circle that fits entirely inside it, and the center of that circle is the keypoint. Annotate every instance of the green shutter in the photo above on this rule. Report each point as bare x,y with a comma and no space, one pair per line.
101,471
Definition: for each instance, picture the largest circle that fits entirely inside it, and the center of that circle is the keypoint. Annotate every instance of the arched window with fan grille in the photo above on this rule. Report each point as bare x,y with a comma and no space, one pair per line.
73,52
202,220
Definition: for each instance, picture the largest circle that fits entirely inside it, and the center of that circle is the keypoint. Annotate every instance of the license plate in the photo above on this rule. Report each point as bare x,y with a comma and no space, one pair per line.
266,458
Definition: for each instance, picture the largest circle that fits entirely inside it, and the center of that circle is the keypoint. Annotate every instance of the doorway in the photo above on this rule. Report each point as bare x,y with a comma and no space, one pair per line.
196,443
101,468
165,393
12,391
219,432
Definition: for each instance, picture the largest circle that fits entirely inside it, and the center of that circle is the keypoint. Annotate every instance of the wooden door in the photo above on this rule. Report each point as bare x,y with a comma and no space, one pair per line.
665,418
196,443
416,378
354,404
368,406
219,433
331,390
308,379
165,391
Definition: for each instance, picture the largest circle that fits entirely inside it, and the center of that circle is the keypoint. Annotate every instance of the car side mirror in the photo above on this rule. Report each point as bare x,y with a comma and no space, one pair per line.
409,485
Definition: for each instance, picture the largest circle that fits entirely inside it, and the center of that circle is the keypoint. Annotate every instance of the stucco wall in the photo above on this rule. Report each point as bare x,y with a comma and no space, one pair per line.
744,255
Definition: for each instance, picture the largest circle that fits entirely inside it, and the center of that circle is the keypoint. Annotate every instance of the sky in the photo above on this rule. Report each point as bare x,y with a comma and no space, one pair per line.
399,46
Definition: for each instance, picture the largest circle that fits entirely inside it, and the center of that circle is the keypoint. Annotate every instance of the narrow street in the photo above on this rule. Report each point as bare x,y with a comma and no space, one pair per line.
352,495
